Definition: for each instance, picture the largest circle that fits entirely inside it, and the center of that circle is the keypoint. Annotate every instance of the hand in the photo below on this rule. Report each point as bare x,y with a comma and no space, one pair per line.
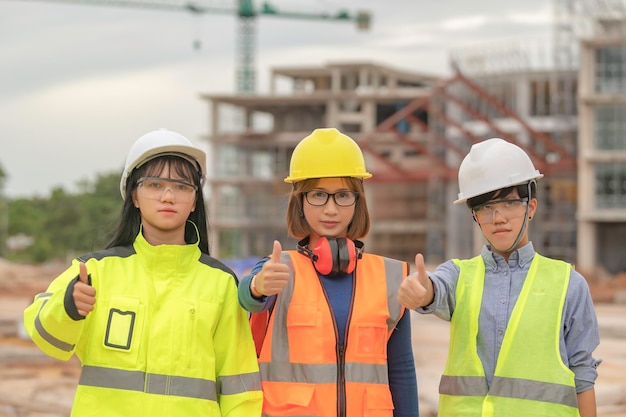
417,289
274,275
84,294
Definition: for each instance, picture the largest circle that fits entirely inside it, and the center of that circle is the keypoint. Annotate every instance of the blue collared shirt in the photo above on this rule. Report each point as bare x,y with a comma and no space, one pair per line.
503,283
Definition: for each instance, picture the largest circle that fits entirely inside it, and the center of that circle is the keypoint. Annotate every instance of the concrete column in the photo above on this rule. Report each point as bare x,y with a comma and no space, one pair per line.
335,82
332,113
585,225
368,111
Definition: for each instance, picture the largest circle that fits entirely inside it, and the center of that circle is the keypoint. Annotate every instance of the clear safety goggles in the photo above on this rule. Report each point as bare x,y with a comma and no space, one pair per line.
509,209
155,187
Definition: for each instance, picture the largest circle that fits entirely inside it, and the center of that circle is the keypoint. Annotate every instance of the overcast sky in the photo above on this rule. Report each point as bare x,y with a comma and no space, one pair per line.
80,83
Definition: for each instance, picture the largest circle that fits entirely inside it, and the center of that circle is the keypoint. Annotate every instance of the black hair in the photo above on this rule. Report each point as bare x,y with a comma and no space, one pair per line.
129,221
522,190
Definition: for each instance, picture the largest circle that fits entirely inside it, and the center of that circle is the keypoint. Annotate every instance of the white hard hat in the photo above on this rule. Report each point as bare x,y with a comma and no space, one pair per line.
157,143
491,165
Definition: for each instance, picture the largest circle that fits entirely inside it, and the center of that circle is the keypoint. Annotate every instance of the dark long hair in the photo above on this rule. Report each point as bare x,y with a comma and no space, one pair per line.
129,222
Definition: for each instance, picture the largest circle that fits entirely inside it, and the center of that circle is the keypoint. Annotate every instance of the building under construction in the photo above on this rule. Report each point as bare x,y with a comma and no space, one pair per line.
414,129
601,210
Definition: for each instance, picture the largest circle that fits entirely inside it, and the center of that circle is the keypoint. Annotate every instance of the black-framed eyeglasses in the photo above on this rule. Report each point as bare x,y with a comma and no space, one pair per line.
344,198
154,188
508,208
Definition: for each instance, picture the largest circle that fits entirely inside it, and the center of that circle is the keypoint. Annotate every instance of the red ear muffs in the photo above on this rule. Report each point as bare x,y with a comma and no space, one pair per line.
346,255
332,256
325,255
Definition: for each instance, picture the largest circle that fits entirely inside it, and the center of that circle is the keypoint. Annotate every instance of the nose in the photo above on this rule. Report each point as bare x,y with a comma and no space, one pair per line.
330,205
167,196
500,217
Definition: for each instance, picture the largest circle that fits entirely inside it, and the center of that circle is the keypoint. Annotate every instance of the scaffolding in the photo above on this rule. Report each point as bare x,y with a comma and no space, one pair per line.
414,130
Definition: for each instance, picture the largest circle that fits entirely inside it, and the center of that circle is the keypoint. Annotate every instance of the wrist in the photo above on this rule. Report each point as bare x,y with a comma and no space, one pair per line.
253,290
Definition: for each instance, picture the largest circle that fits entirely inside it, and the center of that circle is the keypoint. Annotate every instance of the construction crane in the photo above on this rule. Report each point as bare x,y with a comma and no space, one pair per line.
245,71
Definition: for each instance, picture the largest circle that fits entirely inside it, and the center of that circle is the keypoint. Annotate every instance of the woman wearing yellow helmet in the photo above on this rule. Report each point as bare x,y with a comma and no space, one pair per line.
337,342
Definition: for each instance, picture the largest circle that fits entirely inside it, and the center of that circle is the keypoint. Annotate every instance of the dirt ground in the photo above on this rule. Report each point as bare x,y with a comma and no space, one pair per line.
34,385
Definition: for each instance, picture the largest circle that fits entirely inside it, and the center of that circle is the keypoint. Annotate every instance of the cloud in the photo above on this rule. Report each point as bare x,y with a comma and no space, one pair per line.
88,80
542,17
464,23
86,126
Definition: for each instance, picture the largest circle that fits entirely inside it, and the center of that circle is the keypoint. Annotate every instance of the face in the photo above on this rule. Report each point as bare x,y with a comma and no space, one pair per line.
329,219
501,220
165,200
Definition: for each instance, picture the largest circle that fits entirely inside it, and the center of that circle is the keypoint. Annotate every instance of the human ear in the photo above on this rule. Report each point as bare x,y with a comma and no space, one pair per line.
532,207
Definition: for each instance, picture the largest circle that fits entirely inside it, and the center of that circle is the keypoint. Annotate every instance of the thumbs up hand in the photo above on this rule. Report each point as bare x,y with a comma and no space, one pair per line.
273,276
84,294
417,289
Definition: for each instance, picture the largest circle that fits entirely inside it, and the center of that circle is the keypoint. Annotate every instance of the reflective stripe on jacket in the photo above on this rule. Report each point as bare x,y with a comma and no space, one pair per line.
167,336
303,371
530,377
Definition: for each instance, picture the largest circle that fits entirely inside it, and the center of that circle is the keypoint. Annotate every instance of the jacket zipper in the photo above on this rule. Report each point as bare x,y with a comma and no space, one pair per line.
341,381
341,350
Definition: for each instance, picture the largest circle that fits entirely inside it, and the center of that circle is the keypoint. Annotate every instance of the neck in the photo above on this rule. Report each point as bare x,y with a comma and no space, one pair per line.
157,237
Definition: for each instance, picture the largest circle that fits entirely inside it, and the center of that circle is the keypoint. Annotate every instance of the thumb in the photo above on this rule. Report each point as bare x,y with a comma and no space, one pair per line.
420,268
83,276
277,249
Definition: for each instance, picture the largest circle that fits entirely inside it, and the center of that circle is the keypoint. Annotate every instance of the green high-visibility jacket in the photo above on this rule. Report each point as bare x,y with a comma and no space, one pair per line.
167,336
530,377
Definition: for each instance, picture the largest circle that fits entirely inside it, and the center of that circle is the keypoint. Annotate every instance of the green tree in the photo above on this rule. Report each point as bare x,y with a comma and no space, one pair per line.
67,224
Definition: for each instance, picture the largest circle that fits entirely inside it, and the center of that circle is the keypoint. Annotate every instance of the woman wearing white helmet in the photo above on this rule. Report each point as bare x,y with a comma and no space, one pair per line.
523,326
337,342
153,318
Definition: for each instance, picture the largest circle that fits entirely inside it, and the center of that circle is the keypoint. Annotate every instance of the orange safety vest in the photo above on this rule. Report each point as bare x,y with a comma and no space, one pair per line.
303,370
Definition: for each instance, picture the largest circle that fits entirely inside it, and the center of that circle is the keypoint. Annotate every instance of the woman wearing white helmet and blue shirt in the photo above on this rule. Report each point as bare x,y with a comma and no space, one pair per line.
523,327
153,318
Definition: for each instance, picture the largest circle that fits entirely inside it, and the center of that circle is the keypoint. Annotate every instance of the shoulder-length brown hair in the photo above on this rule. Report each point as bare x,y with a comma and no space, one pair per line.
297,225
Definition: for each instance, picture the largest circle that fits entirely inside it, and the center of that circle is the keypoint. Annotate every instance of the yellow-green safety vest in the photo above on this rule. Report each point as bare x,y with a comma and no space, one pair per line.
530,378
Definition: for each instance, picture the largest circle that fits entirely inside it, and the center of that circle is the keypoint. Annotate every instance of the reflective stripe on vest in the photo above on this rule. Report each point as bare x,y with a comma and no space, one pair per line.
323,373
95,376
299,358
509,387
59,344
530,376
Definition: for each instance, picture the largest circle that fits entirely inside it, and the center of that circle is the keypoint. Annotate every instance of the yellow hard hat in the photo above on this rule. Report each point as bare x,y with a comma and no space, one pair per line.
326,153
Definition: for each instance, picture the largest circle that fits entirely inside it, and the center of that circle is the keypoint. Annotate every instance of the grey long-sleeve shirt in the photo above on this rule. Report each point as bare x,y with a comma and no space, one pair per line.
503,283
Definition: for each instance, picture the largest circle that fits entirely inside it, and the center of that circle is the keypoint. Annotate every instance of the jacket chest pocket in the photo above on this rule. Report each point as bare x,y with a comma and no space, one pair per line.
195,322
119,330
308,342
